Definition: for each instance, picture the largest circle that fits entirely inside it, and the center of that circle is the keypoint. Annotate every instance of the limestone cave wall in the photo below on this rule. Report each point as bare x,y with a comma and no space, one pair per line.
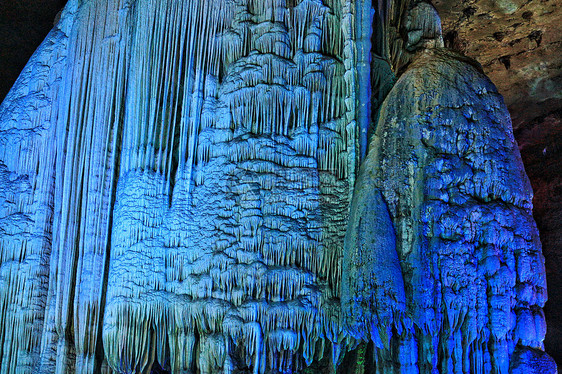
281,186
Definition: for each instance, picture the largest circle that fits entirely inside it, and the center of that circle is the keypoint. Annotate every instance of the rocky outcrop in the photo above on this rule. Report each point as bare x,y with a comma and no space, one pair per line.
518,44
177,185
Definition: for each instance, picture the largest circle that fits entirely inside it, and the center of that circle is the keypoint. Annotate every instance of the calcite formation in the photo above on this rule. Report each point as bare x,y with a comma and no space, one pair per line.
444,163
518,45
207,186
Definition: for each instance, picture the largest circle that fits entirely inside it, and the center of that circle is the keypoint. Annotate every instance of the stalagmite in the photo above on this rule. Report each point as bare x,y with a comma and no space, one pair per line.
206,186
443,161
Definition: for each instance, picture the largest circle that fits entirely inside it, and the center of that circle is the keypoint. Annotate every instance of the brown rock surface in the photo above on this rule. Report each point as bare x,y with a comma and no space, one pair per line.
519,45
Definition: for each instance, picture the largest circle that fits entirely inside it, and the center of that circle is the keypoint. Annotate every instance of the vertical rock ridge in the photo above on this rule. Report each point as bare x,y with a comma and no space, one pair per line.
84,188
27,199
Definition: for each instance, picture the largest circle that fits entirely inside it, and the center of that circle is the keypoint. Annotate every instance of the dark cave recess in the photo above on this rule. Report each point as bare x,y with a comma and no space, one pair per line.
23,26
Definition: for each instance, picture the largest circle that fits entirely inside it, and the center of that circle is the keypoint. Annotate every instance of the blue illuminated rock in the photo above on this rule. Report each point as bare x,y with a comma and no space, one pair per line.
184,188
447,166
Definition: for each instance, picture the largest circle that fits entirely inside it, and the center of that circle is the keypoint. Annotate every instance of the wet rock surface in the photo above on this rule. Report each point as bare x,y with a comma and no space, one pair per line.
445,161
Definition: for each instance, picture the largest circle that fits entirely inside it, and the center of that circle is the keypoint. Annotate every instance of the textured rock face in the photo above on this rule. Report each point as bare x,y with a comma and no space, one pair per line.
518,44
180,186
447,166
233,190
540,143
179,193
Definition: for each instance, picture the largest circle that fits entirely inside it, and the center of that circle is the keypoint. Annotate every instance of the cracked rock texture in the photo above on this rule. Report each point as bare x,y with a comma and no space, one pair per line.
189,187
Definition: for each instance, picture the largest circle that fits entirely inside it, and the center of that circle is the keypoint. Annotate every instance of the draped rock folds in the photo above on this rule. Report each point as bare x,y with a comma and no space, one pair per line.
233,188
445,162
178,190
192,188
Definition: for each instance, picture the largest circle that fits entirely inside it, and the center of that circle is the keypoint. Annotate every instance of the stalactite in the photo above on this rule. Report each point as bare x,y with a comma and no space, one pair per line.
249,122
